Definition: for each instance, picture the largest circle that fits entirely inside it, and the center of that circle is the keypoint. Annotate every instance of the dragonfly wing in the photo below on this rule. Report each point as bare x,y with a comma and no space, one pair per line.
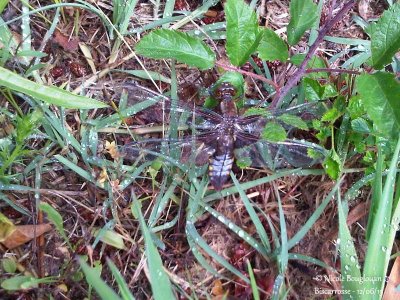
162,106
186,150
280,155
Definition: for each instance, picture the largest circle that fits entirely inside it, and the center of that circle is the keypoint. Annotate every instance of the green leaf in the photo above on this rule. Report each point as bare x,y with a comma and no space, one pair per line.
160,283
122,285
243,162
303,14
360,125
356,108
164,44
235,79
257,111
9,265
15,283
55,217
385,37
242,32
272,47
111,238
6,227
274,132
294,121
380,97
350,268
333,165
93,278
313,90
48,94
147,75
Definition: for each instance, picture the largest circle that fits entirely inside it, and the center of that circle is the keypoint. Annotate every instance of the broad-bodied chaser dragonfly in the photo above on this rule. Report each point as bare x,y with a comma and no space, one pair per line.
220,138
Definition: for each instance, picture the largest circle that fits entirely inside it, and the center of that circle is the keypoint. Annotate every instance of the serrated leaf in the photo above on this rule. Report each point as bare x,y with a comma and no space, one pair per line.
385,37
380,97
242,32
303,14
272,47
355,107
274,132
164,44
294,121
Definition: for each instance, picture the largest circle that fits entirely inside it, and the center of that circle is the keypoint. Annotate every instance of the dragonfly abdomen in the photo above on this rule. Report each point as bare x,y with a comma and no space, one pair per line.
219,169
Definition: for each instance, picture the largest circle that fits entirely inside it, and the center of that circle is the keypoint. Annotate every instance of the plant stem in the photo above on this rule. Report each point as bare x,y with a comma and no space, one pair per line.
255,76
294,79
329,70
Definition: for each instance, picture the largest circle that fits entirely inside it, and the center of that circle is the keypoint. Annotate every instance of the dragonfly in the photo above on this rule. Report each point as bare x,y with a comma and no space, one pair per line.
220,138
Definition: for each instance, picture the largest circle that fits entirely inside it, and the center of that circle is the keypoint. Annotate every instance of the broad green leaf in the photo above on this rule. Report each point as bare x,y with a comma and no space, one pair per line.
272,47
274,132
48,94
164,44
385,37
380,97
294,121
242,32
314,91
360,125
303,14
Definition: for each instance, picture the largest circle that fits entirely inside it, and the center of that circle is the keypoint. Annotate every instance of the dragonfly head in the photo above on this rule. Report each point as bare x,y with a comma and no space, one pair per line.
225,92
